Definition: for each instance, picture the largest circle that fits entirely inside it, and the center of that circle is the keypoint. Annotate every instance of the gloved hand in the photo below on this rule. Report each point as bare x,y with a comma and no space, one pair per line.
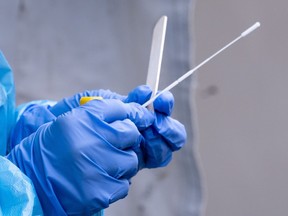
37,113
82,161
160,140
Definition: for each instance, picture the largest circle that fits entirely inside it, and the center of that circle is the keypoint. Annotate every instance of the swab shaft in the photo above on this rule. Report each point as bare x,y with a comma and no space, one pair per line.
251,29
176,82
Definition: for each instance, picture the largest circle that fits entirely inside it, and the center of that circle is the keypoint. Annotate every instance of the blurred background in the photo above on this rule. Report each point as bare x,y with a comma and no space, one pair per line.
242,107
240,95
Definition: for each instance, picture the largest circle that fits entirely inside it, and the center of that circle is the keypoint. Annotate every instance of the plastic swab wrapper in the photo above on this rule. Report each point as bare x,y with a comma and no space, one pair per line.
176,82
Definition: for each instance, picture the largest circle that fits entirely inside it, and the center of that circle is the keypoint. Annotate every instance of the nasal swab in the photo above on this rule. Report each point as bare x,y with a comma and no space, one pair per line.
176,82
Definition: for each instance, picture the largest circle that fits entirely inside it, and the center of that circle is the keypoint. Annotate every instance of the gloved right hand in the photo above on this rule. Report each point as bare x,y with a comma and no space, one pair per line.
82,161
165,136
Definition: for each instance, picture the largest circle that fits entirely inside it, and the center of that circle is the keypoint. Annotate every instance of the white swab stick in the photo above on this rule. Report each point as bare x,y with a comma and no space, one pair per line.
176,82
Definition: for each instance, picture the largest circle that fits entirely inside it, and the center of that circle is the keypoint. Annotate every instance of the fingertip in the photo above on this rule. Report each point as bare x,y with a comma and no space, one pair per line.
126,131
140,116
172,131
164,103
139,95
181,141
121,192
157,152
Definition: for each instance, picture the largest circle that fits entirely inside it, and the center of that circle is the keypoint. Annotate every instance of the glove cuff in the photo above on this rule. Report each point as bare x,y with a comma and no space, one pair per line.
30,117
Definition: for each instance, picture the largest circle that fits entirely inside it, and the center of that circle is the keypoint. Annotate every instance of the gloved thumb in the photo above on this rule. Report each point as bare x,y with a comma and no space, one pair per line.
139,95
164,103
110,110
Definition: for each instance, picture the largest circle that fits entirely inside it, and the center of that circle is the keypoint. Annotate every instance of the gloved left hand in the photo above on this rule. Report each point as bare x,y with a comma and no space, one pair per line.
82,161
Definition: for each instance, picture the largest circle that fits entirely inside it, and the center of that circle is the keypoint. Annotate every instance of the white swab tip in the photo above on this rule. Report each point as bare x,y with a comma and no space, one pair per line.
251,29
257,24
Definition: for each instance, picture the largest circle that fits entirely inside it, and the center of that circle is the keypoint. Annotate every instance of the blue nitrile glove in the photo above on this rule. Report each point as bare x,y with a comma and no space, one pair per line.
29,117
82,161
36,113
164,136
160,140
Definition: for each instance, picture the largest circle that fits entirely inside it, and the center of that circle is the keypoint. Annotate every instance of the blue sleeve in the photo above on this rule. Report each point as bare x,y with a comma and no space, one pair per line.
7,102
18,196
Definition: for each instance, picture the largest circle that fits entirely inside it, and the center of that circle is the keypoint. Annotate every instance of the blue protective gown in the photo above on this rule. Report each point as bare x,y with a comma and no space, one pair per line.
17,194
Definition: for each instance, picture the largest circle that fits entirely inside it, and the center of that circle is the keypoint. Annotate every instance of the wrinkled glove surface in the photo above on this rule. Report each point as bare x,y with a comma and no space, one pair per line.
159,141
83,160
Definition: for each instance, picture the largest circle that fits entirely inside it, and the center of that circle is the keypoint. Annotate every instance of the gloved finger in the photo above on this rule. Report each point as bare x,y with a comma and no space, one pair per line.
121,192
94,182
67,104
116,190
172,131
164,103
156,151
92,189
123,165
127,167
122,134
111,110
139,95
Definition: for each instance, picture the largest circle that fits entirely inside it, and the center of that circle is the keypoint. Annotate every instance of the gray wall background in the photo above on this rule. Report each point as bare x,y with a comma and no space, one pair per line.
242,107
